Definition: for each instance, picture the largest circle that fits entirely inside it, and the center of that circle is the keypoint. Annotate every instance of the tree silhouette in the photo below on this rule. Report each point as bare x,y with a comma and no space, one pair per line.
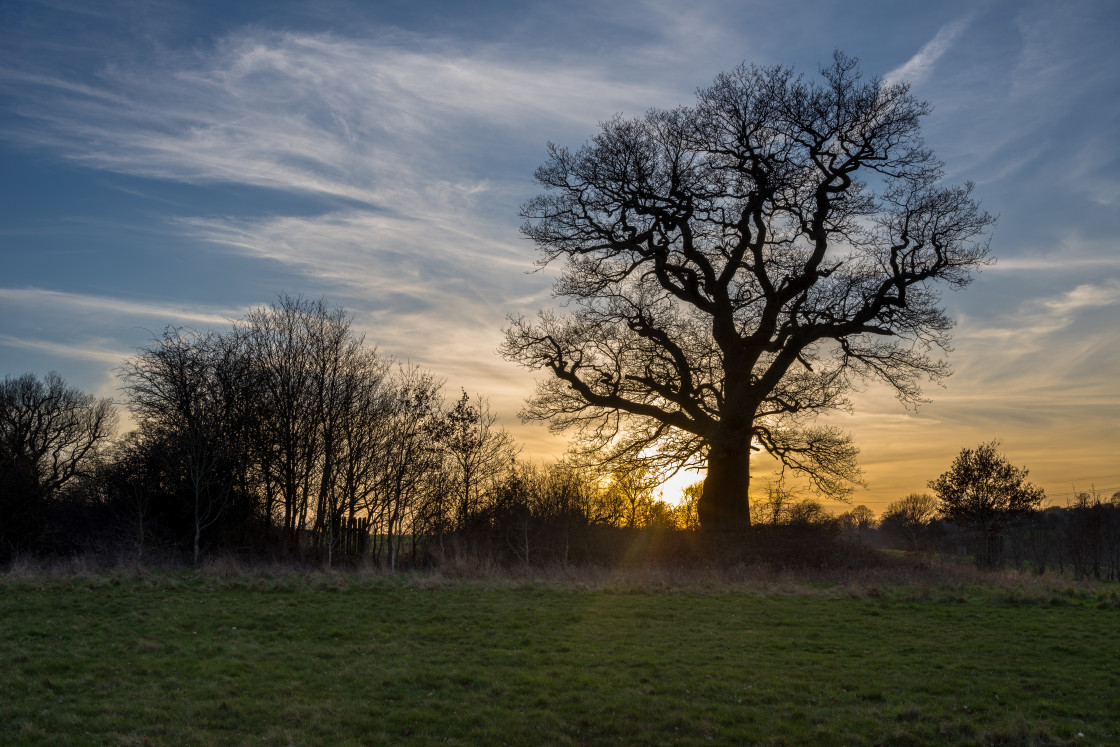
194,393
982,490
908,518
50,433
479,451
733,267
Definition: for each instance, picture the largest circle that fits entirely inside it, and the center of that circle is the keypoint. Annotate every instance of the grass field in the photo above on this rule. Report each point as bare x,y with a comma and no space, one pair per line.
332,659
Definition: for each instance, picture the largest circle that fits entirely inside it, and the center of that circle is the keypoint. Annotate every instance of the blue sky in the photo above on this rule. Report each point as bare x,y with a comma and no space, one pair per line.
180,162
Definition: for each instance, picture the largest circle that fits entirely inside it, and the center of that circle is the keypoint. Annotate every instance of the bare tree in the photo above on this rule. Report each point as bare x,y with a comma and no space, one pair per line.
51,427
633,485
309,365
280,343
127,477
734,266
687,517
908,519
410,453
857,521
777,505
195,391
49,435
357,443
1091,535
314,430
480,451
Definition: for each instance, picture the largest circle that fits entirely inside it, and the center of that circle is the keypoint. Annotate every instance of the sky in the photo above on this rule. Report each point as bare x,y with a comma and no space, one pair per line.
178,163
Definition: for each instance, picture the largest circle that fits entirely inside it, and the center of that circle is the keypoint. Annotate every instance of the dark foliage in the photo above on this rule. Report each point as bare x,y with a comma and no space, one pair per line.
50,437
983,491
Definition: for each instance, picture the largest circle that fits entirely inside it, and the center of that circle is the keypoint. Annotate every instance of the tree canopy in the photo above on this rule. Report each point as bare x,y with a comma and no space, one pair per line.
982,488
50,435
732,268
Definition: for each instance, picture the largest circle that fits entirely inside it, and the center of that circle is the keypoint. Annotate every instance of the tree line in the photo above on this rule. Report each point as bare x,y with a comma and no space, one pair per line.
1082,537
286,436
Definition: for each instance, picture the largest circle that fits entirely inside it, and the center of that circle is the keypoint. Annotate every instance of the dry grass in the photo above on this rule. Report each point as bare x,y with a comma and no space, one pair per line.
902,579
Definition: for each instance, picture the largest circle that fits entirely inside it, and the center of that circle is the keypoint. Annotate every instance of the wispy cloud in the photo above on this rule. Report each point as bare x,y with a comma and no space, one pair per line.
379,256
1038,119
1072,253
1055,263
70,303
918,68
1087,296
95,352
436,291
410,132
1043,316
1045,354
313,113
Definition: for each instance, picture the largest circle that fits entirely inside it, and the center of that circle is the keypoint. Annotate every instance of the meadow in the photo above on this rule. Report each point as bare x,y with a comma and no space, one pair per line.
224,656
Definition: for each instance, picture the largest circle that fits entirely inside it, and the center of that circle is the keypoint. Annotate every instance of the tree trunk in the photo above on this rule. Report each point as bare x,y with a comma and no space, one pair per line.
724,505
197,535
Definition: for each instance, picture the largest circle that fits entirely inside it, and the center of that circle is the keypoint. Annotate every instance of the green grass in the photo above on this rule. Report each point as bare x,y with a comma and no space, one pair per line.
184,658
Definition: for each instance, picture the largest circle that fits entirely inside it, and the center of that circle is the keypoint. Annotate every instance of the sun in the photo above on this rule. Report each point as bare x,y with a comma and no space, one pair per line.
672,490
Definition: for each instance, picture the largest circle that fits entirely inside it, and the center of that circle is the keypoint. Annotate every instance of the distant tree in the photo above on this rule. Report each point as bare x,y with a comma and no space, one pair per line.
806,512
1090,535
194,392
687,517
633,486
49,435
660,514
857,521
776,506
356,399
908,519
286,432
480,453
566,500
606,507
734,267
411,454
302,352
981,491
130,478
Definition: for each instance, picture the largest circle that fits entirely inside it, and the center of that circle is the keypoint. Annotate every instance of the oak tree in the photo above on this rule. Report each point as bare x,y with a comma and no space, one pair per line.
732,268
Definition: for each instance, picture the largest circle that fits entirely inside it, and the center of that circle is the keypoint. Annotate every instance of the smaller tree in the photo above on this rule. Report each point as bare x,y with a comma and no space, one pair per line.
481,453
857,521
982,490
776,507
195,392
1091,535
50,434
633,484
687,515
908,519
